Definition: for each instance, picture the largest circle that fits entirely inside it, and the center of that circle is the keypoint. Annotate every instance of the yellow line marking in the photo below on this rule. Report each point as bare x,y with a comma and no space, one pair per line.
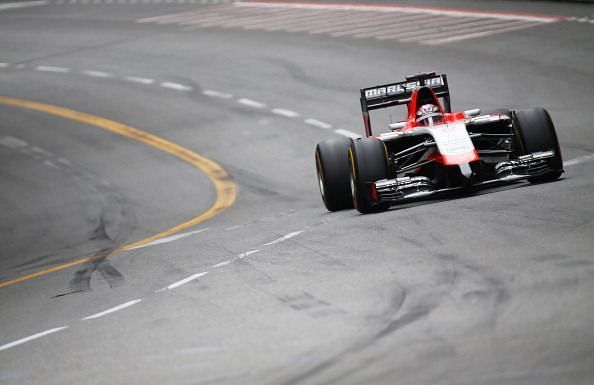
225,187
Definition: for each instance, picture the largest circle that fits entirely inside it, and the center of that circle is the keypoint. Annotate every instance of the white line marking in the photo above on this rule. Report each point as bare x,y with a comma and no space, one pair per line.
186,280
169,239
113,309
138,79
65,162
217,94
221,264
578,160
51,164
39,150
24,4
176,86
251,103
284,238
52,69
318,123
97,74
247,253
285,113
347,133
12,142
4,65
406,9
478,34
30,338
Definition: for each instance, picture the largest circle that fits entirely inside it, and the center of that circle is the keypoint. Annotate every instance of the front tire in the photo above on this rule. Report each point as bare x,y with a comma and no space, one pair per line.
332,166
537,133
368,159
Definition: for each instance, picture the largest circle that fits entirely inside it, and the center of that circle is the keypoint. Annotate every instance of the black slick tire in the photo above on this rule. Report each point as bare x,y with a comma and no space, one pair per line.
368,159
332,166
537,133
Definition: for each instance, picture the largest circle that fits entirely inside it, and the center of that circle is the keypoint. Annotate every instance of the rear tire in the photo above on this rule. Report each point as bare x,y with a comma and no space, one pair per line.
537,133
368,159
332,166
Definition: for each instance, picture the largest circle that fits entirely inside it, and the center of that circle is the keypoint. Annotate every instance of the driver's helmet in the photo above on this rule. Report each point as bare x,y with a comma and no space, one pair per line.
428,115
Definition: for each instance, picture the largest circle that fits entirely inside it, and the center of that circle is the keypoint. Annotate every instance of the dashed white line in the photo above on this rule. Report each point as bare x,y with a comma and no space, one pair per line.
247,253
186,280
347,133
251,103
217,94
176,86
51,164
139,79
30,338
97,74
23,4
53,69
579,160
285,113
39,150
318,123
4,65
12,142
169,239
113,309
221,264
284,238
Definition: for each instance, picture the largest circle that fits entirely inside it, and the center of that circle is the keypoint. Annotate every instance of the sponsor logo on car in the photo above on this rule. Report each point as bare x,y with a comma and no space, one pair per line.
402,88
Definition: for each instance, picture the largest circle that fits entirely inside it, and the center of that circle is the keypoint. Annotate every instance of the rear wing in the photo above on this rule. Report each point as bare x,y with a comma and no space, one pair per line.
395,94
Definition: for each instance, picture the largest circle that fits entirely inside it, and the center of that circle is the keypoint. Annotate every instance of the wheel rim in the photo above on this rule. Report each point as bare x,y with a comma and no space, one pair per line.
322,189
353,187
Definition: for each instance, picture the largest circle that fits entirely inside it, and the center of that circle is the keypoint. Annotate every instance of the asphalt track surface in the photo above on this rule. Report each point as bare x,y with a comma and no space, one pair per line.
490,288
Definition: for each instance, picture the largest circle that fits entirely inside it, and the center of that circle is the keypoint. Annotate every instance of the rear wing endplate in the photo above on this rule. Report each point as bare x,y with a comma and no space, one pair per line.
395,94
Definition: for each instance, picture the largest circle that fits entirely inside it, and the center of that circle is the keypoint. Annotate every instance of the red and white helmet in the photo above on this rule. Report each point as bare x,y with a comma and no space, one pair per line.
428,114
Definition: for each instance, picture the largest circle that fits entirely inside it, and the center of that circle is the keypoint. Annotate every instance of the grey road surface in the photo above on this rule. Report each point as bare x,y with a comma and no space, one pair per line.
489,288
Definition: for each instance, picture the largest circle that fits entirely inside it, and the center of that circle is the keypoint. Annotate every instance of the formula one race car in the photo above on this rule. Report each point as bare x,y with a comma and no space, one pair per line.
434,150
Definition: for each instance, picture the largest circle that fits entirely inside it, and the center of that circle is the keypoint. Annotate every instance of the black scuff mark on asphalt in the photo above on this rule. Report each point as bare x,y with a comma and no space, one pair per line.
65,294
395,309
81,282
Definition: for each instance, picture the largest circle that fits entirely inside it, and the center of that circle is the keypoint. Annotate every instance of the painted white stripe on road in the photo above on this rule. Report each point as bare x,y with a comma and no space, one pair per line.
4,65
97,74
221,264
247,253
578,160
30,338
169,239
347,133
478,34
12,142
52,69
138,79
24,4
217,94
176,86
251,103
113,309
318,123
406,9
186,280
284,238
51,164
285,113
